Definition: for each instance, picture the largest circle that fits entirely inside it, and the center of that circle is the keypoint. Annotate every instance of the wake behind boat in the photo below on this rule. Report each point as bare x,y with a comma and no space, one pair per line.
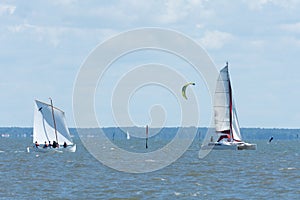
50,131
226,122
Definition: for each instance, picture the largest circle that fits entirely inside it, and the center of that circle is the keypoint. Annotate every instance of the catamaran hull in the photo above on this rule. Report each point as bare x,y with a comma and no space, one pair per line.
53,150
247,146
229,146
220,146
224,147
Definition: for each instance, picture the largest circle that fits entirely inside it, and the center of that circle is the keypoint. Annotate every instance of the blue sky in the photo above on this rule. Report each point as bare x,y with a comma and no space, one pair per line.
44,43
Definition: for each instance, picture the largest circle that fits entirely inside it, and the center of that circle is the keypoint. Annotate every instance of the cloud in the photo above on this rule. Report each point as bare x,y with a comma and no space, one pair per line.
151,13
260,4
258,43
290,41
54,35
256,4
63,2
7,9
19,28
215,39
119,15
175,11
295,27
200,26
41,33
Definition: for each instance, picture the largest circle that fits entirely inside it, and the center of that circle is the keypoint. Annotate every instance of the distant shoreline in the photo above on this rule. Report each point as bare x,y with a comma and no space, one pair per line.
25,127
167,132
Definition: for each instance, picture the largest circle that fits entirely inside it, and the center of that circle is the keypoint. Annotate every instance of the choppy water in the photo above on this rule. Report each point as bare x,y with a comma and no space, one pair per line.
271,172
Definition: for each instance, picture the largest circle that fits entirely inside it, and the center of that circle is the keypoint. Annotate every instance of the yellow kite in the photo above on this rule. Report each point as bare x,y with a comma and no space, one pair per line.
184,89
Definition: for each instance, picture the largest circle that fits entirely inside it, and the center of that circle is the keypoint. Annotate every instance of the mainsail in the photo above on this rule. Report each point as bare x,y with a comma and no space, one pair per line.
226,120
43,126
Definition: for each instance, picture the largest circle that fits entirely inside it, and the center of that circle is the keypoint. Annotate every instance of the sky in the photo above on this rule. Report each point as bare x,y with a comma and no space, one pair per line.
43,44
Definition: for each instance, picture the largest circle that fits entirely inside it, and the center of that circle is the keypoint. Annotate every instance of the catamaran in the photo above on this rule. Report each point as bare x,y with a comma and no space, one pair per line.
50,126
226,121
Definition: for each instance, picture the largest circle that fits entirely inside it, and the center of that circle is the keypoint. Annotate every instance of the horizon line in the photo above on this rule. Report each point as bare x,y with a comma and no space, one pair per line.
155,127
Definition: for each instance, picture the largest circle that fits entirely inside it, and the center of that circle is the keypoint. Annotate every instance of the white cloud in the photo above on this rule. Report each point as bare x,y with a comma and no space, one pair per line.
295,28
19,28
288,4
174,11
215,39
200,26
157,12
256,4
49,34
260,4
55,34
290,41
63,2
258,43
7,9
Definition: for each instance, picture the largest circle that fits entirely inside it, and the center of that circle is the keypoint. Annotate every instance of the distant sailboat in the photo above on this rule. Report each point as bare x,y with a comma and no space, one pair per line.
226,121
50,126
147,136
127,135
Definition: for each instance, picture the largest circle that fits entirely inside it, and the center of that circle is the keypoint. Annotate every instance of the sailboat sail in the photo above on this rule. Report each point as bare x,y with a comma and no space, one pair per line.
221,102
127,135
236,133
43,127
226,120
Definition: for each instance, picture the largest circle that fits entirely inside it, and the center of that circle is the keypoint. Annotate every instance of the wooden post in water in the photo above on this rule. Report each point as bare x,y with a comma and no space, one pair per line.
147,137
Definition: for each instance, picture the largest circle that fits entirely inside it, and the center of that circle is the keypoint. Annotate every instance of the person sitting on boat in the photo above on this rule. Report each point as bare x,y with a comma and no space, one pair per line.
36,144
54,144
50,145
228,137
224,137
45,145
65,145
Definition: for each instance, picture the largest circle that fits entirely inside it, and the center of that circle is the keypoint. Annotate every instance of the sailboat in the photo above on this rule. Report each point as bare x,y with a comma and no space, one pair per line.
147,131
127,135
226,121
50,126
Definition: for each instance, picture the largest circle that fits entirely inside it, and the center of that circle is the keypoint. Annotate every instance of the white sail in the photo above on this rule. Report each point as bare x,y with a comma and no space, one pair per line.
236,133
221,102
127,135
43,126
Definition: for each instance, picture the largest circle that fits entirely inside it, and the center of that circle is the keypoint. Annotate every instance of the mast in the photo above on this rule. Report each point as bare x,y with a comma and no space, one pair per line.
147,137
230,104
54,123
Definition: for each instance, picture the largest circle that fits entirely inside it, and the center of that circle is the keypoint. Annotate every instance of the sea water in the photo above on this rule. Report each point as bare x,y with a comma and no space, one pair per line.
270,172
